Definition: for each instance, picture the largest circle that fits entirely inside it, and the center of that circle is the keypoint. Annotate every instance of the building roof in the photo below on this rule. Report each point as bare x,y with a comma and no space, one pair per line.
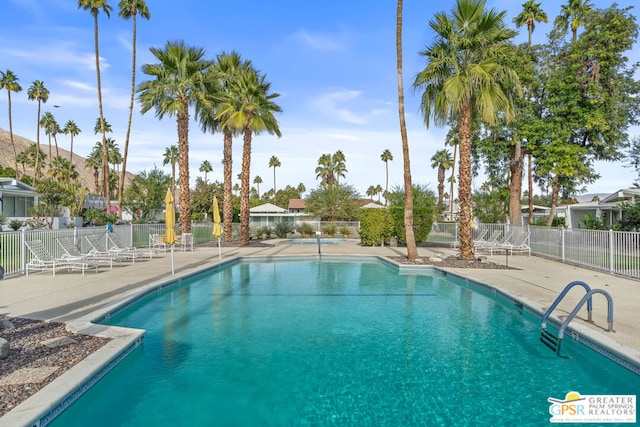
296,204
372,205
267,208
14,187
621,195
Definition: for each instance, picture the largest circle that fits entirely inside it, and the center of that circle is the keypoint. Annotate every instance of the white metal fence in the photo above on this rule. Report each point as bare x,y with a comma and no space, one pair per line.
615,252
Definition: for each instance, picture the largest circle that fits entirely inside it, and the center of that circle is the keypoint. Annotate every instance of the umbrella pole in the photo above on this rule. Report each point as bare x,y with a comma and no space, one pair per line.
219,250
172,268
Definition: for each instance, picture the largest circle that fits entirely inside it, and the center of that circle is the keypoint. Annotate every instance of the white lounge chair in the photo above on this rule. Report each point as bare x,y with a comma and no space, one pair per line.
118,254
493,246
116,244
479,244
70,249
518,243
185,241
43,260
156,243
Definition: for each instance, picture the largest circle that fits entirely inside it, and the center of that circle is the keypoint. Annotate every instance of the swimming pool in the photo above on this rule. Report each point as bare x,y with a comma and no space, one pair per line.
314,240
307,342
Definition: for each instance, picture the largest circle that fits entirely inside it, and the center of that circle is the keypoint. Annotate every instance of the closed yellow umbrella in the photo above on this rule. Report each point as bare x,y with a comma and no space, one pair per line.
217,229
170,222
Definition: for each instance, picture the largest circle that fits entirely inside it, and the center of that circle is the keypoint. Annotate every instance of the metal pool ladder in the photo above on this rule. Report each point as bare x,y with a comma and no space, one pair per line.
555,342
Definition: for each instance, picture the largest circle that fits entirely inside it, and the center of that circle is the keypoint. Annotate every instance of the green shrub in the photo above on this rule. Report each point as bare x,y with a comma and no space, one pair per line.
15,224
344,230
306,229
375,226
422,222
281,229
330,229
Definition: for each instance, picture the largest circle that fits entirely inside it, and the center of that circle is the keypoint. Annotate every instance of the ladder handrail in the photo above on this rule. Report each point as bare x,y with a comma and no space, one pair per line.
564,292
581,303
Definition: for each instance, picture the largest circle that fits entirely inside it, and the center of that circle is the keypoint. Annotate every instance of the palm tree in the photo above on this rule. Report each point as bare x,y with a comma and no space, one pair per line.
38,92
94,160
60,169
248,107
94,7
258,180
230,66
9,81
205,167
115,157
572,14
178,82
325,171
23,159
301,189
379,191
531,13
30,156
386,157
50,125
171,156
442,160
274,163
130,9
371,191
99,125
339,165
467,72
412,250
71,129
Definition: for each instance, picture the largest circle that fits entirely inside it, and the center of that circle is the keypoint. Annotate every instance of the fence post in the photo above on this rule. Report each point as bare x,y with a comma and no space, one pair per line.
562,242
611,251
23,251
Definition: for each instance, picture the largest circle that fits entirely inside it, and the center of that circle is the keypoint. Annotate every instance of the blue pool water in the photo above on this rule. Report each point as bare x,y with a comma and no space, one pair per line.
314,240
334,343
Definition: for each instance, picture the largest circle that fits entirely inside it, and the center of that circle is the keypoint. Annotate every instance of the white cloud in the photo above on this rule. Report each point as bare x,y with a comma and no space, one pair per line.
321,41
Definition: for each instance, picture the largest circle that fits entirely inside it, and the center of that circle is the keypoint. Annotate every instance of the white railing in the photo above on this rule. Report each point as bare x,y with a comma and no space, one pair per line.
616,252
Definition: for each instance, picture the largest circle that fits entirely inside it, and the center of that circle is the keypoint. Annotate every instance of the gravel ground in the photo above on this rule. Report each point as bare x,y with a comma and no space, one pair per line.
453,262
28,351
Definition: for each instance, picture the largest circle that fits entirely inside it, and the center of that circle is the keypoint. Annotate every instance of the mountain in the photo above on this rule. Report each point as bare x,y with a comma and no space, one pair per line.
6,157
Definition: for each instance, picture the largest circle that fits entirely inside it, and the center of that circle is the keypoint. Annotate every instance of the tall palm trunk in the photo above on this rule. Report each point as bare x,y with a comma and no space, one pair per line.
274,185
453,175
126,138
13,144
464,183
412,251
35,172
515,185
50,155
71,155
105,150
244,183
555,189
55,140
227,202
441,171
530,179
184,220
386,186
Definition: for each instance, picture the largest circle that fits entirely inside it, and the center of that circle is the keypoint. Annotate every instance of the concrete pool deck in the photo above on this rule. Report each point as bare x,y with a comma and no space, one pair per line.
68,297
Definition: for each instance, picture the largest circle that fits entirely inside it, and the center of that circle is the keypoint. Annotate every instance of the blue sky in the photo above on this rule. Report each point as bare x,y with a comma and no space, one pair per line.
333,63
